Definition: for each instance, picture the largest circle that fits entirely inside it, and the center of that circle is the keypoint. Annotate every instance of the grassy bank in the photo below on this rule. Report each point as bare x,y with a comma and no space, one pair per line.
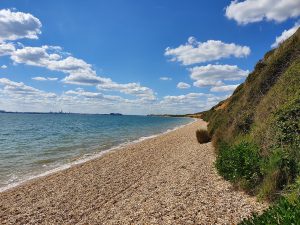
256,131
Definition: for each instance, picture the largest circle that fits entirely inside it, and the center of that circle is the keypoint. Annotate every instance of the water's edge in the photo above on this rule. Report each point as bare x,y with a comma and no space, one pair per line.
84,159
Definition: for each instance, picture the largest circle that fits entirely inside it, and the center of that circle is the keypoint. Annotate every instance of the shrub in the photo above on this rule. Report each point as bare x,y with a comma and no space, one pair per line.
288,124
240,163
202,136
280,169
284,212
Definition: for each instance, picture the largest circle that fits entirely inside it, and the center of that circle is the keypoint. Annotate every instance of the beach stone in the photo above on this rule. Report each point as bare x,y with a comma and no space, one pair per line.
168,179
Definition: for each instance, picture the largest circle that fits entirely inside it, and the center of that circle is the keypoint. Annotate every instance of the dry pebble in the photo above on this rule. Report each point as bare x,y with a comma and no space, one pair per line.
169,179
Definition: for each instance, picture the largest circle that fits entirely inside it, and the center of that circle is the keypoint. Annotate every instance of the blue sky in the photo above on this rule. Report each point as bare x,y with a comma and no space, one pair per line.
133,57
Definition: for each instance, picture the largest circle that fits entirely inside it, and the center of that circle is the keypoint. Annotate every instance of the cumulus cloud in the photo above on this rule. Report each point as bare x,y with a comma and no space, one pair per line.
6,48
93,95
16,96
44,78
189,103
212,75
179,99
3,66
19,89
199,52
165,78
206,82
182,85
79,72
224,88
50,57
17,25
250,11
129,88
85,79
285,35
52,78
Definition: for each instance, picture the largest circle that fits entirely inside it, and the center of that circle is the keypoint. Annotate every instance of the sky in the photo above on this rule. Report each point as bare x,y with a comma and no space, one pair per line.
134,57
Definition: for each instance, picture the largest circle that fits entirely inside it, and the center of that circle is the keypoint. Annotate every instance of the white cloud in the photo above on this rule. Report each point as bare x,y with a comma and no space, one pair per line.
206,82
188,98
19,89
6,48
250,11
165,78
50,57
211,73
216,99
129,88
224,88
39,78
81,92
199,52
52,78
182,85
85,79
3,66
44,78
16,96
79,72
189,103
285,35
17,25
95,95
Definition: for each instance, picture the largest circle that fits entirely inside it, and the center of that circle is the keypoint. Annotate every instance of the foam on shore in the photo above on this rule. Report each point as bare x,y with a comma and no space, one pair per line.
86,158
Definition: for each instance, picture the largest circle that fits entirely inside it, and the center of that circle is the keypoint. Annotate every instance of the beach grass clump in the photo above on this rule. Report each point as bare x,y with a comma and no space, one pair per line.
202,136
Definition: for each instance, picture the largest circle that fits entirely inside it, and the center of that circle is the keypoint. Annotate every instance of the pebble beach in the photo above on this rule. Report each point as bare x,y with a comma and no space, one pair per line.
168,179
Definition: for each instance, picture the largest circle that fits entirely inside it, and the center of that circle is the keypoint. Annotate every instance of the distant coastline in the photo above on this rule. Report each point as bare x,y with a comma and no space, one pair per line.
61,112
192,115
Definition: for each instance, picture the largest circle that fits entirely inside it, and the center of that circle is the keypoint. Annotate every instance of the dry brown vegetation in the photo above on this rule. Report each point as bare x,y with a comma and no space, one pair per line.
202,136
259,125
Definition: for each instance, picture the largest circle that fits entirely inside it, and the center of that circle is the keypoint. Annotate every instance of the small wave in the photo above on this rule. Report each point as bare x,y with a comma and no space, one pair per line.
83,159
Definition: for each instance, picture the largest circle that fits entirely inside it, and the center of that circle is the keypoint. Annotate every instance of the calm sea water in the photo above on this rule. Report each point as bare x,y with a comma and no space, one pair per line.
32,144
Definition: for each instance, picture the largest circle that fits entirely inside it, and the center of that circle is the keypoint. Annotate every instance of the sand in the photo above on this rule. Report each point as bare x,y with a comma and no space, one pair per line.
169,179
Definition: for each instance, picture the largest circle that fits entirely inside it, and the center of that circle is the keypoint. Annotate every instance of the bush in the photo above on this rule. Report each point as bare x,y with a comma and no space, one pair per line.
240,164
288,124
284,212
202,136
280,169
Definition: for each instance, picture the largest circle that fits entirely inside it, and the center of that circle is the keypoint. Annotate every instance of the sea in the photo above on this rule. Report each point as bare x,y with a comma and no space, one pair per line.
33,145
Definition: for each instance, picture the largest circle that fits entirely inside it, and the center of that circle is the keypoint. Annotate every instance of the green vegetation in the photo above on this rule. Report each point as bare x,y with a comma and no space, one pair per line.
256,131
286,211
202,136
240,164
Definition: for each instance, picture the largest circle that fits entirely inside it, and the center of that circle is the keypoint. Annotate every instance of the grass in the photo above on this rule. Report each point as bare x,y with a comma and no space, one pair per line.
280,170
261,121
285,211
202,136
266,108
